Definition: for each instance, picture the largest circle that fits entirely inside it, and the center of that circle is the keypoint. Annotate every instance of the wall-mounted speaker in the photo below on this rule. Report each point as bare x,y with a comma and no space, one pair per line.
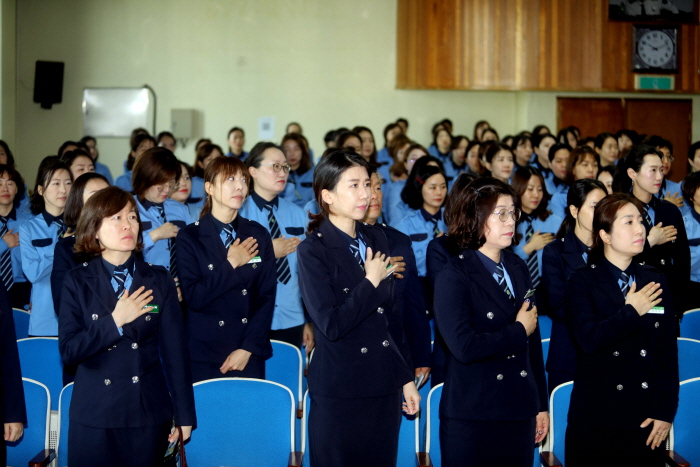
48,83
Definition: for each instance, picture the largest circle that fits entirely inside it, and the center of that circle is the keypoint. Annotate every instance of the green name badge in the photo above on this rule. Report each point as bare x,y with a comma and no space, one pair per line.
657,310
155,309
255,260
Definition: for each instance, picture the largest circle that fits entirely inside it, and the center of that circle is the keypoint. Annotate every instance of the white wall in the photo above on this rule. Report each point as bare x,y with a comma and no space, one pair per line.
324,63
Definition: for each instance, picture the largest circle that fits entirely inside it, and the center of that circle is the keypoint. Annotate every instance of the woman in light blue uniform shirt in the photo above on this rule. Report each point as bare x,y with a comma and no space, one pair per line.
38,237
18,288
691,220
499,161
155,176
286,223
7,158
458,160
558,158
425,193
537,226
100,168
395,208
140,142
670,191
384,159
182,194
583,163
442,141
206,153
301,175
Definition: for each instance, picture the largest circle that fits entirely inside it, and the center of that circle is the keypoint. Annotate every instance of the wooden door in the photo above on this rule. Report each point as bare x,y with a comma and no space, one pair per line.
591,116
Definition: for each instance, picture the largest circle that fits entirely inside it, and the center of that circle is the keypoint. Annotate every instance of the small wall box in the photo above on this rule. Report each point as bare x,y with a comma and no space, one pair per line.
654,83
182,123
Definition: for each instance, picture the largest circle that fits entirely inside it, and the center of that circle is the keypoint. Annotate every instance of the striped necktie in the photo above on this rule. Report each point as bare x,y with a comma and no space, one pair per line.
6,260
436,229
532,261
624,283
355,250
171,243
119,277
501,279
228,228
282,264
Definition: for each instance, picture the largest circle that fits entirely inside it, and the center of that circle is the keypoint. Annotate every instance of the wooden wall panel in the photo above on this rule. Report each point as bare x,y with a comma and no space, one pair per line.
523,45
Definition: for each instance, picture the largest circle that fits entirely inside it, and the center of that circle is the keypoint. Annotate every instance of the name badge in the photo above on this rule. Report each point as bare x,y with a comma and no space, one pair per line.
657,310
154,308
255,260
530,293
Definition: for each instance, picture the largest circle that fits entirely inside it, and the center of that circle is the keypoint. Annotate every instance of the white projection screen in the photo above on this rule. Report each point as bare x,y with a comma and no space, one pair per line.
115,112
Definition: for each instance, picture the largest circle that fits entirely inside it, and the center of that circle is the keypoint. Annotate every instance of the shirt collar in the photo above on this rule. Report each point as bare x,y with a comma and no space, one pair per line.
539,167
558,181
488,263
49,219
429,217
149,204
694,213
110,268
617,272
260,202
347,238
219,226
12,215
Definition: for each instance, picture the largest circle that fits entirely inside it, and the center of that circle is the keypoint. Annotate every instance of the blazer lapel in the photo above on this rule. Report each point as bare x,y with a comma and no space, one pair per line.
608,283
143,277
486,284
96,280
210,238
339,251
571,255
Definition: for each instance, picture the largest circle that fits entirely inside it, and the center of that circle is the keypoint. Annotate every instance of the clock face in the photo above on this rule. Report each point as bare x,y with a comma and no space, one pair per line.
655,48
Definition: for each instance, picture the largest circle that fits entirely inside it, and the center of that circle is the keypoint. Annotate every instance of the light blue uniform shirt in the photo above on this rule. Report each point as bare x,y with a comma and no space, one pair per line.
292,221
124,181
421,231
300,188
176,213
394,208
37,242
558,203
242,157
102,169
197,188
550,225
14,220
490,266
555,185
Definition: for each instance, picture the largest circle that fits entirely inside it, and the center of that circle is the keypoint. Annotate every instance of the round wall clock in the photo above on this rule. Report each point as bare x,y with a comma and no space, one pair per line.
655,49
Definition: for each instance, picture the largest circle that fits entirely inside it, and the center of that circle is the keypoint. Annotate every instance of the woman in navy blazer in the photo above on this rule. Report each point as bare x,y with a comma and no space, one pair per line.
361,365
560,258
494,403
622,319
230,281
121,323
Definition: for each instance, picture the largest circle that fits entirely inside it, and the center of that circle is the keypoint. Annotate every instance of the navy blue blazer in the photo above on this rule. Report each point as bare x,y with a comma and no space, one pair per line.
409,298
63,261
559,259
229,308
141,378
12,407
360,350
495,371
627,368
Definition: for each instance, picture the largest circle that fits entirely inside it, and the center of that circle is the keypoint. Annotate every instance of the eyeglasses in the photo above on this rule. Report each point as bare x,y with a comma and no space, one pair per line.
503,214
277,167
668,157
167,187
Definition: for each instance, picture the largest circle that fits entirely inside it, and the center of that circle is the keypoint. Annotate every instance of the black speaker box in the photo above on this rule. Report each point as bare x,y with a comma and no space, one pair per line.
48,83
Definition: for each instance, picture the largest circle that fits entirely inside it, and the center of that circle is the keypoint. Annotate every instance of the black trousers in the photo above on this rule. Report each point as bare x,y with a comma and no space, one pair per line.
294,336
600,445
485,443
352,432
204,370
117,447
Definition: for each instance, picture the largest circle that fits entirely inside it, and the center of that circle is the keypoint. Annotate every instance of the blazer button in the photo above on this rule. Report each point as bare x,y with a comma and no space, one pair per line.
489,315
196,223
656,324
363,350
244,292
499,377
84,264
319,234
592,266
427,312
244,320
107,382
94,317
616,353
523,373
663,261
221,323
508,357
134,346
385,343
346,290
210,267
135,379
619,387
645,385
255,266
461,256
148,317
380,310
642,263
643,353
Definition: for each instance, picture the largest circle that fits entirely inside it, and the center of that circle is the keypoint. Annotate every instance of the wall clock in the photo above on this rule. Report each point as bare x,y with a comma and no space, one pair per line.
655,49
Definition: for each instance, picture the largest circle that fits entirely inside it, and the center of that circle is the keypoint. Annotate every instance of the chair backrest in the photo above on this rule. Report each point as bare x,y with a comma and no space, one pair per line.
285,367
559,414
40,360
685,431
21,318
63,423
545,349
688,358
545,323
36,434
242,421
432,428
305,431
690,324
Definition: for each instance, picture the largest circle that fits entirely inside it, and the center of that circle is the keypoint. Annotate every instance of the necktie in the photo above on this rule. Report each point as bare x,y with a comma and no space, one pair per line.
61,226
120,278
532,263
228,228
282,265
6,259
585,257
171,244
501,279
647,207
436,229
624,283
355,250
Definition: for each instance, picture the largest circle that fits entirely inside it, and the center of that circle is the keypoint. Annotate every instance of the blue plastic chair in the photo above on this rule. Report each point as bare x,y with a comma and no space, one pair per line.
688,358
432,427
545,352
40,360
285,367
36,433
545,323
21,318
63,423
305,430
690,324
685,431
558,415
243,422
424,391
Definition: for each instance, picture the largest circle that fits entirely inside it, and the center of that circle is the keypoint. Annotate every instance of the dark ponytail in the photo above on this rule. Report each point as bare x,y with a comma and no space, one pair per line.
577,196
